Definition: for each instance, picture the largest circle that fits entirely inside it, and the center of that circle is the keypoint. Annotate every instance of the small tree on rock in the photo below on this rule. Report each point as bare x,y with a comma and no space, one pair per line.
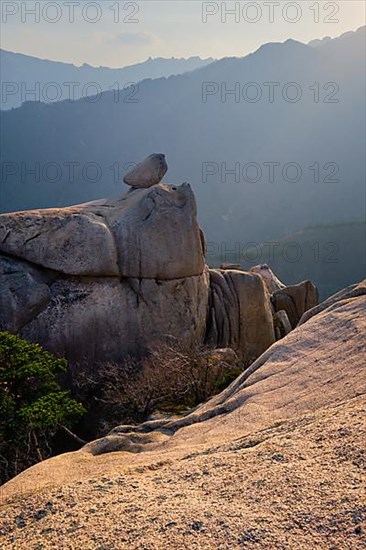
33,406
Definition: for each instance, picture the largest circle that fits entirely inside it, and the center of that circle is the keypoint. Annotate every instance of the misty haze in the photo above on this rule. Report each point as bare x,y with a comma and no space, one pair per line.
182,274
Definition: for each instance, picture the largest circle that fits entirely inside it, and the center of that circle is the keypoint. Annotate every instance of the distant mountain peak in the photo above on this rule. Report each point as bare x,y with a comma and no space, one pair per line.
35,73
322,41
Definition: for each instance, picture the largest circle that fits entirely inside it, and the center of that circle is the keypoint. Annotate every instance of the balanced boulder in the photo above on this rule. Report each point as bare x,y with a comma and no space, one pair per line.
148,172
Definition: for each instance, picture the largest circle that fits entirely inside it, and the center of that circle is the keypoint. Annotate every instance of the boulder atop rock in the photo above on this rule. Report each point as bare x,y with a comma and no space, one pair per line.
148,172
106,279
102,280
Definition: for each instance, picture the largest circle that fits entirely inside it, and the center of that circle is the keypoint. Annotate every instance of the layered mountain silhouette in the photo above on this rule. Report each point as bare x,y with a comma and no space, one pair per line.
300,149
27,78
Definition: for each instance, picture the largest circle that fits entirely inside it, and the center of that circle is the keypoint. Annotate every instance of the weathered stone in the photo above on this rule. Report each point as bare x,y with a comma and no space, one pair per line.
126,274
150,233
24,292
295,300
282,324
353,291
68,240
148,172
271,281
104,320
315,374
110,278
240,313
157,233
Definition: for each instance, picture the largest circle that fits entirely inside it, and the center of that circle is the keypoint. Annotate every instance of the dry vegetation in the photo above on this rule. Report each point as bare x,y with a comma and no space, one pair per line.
171,379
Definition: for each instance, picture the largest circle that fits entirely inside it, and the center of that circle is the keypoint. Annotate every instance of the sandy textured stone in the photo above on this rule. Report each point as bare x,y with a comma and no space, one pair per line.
353,291
274,461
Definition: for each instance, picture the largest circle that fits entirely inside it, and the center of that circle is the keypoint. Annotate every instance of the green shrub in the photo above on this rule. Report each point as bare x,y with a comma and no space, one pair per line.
33,406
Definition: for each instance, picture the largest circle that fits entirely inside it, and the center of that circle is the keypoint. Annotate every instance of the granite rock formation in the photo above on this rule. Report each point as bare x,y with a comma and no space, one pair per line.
102,280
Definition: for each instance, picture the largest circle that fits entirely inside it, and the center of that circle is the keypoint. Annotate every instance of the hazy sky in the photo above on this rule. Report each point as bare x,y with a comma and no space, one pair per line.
117,33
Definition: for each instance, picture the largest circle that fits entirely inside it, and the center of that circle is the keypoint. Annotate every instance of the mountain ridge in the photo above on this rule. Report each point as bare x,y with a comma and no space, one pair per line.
28,72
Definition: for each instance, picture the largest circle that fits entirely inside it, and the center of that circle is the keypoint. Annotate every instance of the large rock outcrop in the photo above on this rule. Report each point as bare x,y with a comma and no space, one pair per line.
320,363
102,280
